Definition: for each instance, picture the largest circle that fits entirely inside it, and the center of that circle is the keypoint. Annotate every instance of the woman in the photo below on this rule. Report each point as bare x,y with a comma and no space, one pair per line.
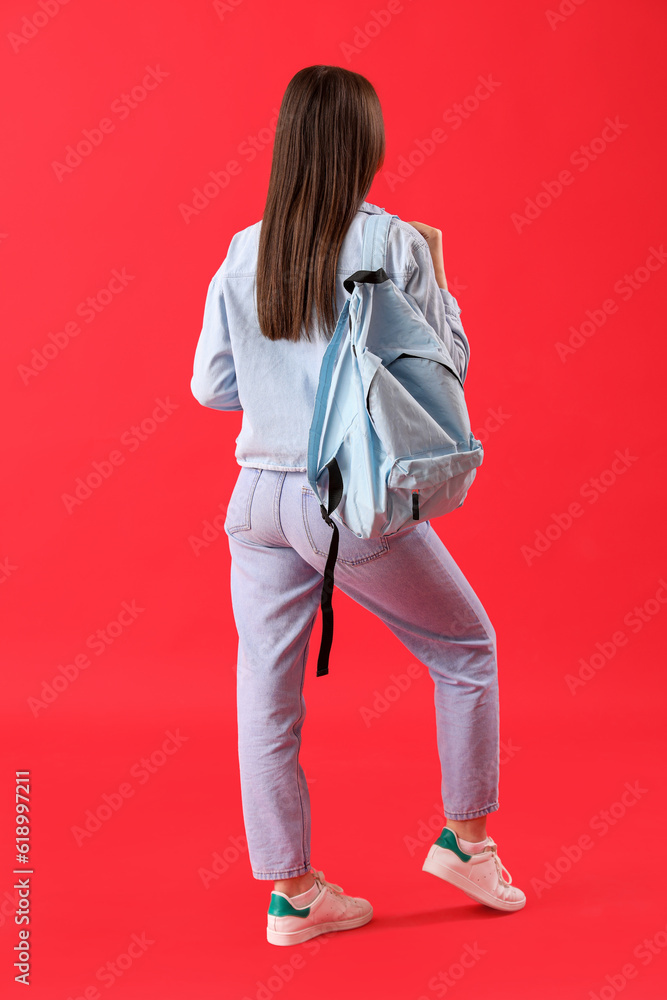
270,310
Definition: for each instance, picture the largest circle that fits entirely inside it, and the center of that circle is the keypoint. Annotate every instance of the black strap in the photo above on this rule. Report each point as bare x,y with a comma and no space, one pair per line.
371,277
335,496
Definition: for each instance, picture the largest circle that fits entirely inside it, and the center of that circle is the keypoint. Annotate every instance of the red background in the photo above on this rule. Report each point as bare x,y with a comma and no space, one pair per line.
374,784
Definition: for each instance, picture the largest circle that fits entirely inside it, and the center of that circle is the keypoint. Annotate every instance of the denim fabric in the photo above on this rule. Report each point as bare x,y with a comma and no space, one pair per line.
278,542
275,382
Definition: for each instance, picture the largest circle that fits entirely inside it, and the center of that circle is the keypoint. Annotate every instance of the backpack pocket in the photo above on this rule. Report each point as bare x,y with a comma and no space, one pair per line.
440,483
416,406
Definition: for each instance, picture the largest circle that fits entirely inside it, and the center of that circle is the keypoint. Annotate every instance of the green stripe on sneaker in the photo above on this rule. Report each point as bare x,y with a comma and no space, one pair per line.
448,839
281,907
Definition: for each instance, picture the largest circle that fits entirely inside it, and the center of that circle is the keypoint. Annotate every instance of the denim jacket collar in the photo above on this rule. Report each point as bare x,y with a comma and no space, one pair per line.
367,206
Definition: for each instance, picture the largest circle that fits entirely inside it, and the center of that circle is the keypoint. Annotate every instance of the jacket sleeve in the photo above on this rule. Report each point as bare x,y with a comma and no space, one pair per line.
438,306
214,376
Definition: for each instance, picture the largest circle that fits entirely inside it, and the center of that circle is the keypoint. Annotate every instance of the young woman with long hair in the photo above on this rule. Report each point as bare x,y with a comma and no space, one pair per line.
270,310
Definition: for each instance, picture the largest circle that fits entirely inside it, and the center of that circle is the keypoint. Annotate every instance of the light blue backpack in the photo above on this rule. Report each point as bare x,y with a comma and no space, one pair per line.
390,439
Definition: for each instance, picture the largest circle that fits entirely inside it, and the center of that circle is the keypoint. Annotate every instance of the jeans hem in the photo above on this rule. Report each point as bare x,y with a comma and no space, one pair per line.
286,873
473,813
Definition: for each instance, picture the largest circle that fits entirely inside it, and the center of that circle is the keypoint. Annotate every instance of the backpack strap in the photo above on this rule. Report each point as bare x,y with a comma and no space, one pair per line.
373,251
335,485
327,366
373,257
374,246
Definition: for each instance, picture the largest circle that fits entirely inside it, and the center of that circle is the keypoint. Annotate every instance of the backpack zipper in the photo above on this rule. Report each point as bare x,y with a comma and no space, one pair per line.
415,505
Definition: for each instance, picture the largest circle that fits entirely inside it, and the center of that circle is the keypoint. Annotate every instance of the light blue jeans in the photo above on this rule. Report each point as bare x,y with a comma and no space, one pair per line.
279,544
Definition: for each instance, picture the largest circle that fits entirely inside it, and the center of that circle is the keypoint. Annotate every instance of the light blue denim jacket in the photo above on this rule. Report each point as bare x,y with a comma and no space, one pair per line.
274,382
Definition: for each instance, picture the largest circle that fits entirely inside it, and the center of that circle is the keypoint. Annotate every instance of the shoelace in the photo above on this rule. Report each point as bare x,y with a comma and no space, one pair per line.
492,847
321,879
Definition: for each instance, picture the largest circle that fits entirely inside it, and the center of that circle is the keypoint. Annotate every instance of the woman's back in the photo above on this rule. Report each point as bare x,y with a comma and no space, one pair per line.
275,382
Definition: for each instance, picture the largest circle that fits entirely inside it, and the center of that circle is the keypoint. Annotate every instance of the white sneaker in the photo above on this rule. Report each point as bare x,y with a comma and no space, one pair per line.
329,911
480,875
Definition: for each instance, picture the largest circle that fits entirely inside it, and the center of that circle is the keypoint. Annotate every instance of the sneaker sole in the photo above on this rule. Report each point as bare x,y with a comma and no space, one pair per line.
474,892
297,937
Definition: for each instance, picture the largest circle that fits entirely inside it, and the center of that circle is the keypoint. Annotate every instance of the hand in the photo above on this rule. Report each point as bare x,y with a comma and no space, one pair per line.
434,239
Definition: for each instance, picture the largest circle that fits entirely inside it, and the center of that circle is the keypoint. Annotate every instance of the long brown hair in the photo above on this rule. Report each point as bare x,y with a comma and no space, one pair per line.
328,146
